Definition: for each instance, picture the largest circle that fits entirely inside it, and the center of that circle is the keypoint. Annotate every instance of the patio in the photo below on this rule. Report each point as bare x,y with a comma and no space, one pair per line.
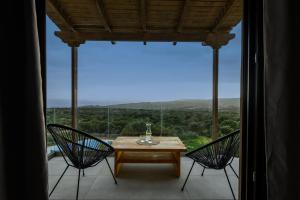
142,181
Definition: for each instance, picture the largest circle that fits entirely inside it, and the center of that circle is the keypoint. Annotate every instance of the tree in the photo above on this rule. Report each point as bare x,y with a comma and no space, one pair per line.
134,128
226,130
231,123
195,126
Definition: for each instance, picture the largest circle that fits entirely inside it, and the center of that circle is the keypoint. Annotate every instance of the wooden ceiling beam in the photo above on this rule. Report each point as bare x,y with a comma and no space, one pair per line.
143,14
217,40
54,4
144,37
100,29
102,12
182,16
222,15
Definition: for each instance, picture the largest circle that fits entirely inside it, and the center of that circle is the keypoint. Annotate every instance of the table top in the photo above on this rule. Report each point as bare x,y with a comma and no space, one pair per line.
165,144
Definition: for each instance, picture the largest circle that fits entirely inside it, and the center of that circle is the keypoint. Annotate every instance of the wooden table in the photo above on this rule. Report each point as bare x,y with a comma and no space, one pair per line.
167,151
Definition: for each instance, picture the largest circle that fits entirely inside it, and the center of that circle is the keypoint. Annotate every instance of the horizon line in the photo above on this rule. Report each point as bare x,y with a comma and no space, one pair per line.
122,102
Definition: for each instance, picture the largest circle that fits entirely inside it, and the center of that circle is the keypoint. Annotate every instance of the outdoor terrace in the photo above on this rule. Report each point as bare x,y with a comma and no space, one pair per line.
142,181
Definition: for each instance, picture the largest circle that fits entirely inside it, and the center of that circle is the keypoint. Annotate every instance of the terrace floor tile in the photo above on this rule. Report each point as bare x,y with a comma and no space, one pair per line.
141,181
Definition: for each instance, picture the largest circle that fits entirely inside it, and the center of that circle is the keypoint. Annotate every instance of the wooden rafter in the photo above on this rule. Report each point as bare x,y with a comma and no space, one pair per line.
182,16
143,14
106,36
62,14
103,14
120,29
217,40
145,19
223,14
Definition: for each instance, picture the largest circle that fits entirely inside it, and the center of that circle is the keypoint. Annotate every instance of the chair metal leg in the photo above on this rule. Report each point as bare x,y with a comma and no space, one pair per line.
203,171
58,180
187,176
233,171
229,184
111,172
78,184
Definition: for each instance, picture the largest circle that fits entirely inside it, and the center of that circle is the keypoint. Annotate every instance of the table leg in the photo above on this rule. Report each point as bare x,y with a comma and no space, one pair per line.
117,162
177,164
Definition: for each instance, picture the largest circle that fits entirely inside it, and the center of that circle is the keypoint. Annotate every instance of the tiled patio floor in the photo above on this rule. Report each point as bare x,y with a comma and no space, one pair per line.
141,182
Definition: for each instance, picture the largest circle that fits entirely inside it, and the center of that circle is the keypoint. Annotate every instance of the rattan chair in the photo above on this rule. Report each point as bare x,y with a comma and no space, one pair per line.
216,155
79,149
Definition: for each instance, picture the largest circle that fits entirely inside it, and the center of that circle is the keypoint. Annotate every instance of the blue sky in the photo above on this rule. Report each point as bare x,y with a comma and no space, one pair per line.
133,72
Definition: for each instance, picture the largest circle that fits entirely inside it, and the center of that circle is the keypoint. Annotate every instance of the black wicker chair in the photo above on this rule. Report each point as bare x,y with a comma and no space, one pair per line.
81,149
216,155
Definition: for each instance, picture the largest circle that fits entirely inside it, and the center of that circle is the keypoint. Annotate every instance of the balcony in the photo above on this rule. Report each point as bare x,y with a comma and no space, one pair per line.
194,122
142,181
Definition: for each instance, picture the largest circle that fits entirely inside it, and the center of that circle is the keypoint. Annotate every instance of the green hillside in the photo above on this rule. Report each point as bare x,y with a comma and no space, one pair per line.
191,120
190,104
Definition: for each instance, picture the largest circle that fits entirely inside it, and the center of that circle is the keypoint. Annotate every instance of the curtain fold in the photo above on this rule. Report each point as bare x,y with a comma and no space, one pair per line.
23,159
282,101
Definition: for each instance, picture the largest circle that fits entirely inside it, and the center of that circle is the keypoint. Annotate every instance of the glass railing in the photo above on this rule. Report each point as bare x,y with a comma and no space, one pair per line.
192,126
56,116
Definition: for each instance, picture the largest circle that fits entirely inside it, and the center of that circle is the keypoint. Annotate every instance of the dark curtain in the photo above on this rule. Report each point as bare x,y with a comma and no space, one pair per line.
252,180
282,99
23,161
270,161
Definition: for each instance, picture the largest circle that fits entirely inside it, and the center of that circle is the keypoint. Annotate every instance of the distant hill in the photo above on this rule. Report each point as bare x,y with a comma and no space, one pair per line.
195,104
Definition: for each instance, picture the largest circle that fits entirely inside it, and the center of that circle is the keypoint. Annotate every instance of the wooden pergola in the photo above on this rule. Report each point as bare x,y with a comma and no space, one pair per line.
205,21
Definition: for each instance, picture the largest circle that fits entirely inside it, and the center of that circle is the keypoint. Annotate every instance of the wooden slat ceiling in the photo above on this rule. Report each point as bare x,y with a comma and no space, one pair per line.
144,20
